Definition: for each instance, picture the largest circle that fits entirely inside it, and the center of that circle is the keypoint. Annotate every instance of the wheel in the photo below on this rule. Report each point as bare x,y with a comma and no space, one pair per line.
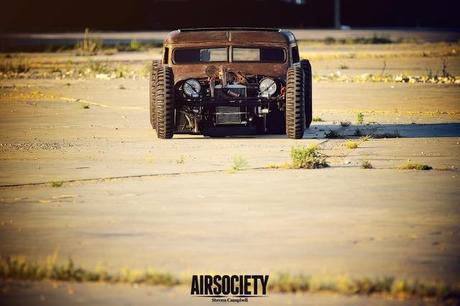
152,93
295,103
164,103
306,66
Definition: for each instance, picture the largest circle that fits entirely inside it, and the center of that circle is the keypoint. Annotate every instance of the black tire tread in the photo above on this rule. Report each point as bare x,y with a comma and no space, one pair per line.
164,103
306,66
295,103
153,80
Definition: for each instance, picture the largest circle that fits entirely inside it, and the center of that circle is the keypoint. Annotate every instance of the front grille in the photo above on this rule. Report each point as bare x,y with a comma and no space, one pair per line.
228,115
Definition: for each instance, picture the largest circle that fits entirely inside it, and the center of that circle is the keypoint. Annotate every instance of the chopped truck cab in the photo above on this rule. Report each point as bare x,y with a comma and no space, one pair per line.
230,81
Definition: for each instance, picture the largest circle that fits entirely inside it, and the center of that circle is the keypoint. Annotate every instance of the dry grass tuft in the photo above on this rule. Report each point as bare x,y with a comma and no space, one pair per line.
414,166
351,144
24,269
20,268
366,165
342,284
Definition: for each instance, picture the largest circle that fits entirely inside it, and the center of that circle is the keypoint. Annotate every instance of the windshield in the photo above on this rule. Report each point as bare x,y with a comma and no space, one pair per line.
239,54
264,55
200,55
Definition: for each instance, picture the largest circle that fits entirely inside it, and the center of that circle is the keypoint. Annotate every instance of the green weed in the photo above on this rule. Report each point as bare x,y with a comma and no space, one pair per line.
239,163
57,184
308,158
351,144
359,118
317,119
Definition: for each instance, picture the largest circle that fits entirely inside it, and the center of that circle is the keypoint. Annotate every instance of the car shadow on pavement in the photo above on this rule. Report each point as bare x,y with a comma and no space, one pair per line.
324,131
425,130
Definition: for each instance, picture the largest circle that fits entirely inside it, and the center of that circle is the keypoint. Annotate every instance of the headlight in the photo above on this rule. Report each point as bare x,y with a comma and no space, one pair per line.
267,87
192,88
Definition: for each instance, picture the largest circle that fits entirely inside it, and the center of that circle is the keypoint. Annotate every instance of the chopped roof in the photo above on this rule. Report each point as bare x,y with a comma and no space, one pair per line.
229,35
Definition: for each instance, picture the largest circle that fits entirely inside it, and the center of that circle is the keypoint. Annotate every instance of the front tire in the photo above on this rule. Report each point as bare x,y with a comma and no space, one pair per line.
306,66
152,93
164,103
295,103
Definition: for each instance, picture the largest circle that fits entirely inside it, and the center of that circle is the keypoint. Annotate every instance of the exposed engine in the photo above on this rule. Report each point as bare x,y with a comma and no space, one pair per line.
217,100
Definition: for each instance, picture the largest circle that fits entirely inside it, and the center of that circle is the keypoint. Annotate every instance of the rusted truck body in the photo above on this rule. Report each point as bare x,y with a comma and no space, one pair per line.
230,81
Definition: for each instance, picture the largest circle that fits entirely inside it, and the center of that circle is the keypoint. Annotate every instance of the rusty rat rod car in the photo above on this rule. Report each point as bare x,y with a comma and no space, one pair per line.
230,81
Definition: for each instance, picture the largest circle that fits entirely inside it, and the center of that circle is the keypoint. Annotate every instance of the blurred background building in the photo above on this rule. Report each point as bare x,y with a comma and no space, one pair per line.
138,15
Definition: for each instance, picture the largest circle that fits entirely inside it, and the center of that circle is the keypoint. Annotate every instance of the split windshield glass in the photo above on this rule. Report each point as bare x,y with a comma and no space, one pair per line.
240,54
182,56
264,55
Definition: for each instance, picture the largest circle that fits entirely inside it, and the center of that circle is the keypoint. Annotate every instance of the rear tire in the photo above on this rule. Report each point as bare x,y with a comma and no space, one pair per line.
164,103
295,103
306,66
152,93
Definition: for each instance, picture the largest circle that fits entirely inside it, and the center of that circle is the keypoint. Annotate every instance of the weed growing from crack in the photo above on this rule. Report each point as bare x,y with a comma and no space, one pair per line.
308,158
239,163
359,118
351,144
414,166
57,184
366,165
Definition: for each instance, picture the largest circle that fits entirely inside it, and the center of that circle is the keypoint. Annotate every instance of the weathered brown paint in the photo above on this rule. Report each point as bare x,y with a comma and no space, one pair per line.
227,38
230,37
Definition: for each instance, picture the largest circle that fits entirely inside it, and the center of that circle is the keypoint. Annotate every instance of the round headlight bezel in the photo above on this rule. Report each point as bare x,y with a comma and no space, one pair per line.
192,88
269,89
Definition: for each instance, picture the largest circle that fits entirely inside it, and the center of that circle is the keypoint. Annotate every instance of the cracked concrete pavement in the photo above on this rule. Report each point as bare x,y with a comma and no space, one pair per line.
131,200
